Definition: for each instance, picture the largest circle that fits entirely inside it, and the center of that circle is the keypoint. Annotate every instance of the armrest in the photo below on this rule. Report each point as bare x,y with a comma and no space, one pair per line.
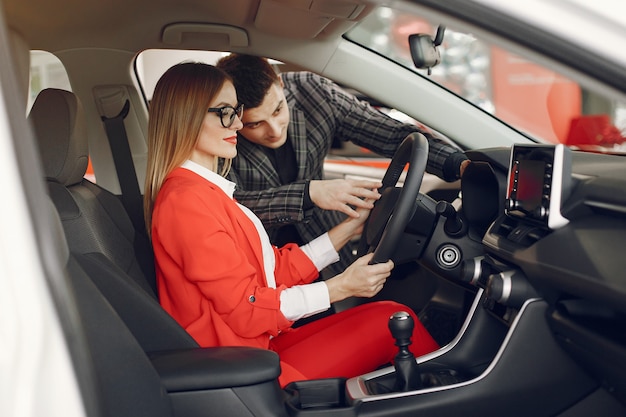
211,368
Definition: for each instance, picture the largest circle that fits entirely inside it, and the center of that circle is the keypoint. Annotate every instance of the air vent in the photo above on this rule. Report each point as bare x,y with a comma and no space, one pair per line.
519,232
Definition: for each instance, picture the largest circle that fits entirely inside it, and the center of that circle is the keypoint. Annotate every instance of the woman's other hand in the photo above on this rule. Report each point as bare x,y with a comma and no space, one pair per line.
349,228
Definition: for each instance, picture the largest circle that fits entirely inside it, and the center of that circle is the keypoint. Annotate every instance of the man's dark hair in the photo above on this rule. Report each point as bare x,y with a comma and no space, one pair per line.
252,76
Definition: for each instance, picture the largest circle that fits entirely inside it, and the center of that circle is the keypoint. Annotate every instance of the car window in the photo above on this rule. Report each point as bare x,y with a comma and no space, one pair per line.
152,63
514,89
46,71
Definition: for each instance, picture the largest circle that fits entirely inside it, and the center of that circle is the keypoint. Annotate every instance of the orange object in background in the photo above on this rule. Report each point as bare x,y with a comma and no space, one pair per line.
522,92
89,173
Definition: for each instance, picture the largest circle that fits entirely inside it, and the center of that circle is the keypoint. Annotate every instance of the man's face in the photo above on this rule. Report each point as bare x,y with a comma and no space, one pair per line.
266,125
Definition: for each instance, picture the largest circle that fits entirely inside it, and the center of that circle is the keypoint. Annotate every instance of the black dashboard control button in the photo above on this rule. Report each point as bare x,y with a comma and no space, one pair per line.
473,269
510,288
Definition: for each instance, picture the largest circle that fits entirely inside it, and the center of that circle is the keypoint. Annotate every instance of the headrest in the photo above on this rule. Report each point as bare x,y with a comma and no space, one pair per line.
58,120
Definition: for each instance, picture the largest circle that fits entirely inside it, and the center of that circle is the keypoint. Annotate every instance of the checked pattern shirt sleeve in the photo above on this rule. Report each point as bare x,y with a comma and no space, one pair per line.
329,108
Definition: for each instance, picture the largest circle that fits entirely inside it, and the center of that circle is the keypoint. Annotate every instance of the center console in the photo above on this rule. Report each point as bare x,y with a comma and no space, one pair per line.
505,346
505,359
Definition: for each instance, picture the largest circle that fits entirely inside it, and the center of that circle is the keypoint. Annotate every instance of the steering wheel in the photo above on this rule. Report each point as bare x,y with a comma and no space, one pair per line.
393,211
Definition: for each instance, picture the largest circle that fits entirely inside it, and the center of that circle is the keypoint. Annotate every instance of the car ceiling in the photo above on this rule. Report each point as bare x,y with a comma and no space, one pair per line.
139,24
97,41
255,26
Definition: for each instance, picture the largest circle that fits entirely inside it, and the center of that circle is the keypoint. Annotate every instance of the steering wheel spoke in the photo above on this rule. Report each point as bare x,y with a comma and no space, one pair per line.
393,211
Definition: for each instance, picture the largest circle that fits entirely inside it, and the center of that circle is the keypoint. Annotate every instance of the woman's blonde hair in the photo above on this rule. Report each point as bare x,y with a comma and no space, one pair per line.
180,101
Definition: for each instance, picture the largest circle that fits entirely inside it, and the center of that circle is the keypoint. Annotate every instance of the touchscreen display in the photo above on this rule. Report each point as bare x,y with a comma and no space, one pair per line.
530,185
539,179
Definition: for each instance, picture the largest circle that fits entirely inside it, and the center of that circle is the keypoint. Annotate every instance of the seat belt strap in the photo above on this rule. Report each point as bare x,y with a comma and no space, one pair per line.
125,167
131,194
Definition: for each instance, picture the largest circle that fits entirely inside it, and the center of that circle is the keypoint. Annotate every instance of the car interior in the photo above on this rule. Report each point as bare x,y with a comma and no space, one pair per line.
516,269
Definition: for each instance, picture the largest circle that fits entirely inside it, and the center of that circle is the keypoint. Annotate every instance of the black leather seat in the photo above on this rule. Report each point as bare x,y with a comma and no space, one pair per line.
97,226
94,219
189,382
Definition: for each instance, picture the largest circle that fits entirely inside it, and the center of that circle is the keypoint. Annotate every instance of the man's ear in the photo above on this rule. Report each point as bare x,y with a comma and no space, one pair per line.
280,80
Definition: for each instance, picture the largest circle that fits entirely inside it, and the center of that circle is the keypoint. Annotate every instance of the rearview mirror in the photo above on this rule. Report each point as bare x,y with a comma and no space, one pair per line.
424,51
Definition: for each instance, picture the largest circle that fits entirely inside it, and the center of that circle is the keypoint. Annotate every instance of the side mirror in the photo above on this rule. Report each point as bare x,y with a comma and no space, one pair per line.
424,51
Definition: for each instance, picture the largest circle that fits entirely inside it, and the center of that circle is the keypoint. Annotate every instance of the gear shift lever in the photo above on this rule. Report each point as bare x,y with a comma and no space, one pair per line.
407,373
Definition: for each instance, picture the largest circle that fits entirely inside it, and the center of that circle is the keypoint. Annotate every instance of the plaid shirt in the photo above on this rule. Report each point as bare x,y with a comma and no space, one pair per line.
320,112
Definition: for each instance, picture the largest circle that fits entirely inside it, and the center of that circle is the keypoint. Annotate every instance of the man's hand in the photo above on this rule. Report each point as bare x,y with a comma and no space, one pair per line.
344,195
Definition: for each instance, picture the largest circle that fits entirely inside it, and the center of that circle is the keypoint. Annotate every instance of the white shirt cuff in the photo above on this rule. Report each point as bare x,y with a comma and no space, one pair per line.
304,300
321,251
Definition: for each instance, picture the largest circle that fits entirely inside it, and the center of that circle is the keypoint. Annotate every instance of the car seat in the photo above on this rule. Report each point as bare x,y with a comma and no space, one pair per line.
97,226
94,219
121,379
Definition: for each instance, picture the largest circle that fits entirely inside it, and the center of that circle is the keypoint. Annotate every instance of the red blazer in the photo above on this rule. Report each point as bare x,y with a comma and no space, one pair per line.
209,265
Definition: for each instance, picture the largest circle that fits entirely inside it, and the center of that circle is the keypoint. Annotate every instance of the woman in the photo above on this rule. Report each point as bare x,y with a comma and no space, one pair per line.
217,273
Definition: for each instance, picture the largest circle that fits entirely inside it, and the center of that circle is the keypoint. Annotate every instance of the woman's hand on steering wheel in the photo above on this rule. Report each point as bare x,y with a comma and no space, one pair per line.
361,279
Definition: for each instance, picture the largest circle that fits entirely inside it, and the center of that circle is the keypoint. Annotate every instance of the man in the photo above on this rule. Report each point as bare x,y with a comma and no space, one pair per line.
289,124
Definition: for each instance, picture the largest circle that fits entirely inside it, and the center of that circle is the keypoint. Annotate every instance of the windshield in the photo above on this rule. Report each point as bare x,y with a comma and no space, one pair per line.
543,104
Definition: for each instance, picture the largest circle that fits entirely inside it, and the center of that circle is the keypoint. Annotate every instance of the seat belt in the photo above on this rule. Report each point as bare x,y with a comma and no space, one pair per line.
131,194
125,167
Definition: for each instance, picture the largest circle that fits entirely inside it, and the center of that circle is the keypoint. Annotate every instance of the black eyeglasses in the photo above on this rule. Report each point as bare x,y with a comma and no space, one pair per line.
227,114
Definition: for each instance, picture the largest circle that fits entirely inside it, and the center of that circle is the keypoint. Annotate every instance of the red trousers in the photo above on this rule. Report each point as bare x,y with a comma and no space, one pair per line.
347,344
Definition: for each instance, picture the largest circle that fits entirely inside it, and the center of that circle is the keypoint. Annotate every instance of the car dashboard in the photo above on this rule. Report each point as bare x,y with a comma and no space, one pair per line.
576,267
580,258
549,314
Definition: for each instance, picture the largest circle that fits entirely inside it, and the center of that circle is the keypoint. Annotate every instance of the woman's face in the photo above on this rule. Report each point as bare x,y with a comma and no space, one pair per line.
215,139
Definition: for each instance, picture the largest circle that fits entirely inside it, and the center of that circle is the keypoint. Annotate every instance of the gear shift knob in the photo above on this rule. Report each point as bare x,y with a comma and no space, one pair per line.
407,373
401,326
